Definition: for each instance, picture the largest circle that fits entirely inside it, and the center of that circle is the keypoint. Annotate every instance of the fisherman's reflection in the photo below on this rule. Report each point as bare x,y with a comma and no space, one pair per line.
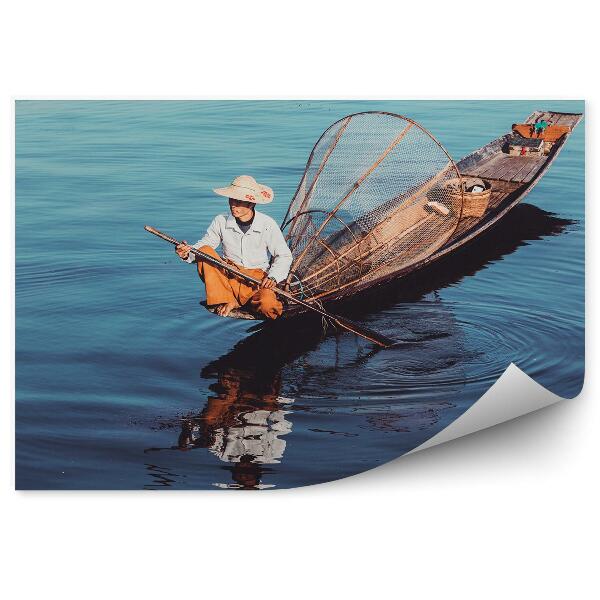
242,424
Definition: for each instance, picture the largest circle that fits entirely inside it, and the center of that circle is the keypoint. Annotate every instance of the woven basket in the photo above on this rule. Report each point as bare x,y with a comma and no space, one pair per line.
474,203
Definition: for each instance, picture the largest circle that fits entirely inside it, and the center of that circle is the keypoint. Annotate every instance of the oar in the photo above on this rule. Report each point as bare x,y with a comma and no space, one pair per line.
364,332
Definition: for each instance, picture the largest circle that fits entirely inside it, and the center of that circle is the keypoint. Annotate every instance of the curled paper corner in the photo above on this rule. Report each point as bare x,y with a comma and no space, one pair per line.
513,395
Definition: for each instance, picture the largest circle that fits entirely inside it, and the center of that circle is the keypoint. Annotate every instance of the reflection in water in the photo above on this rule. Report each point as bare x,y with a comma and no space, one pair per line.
245,423
242,424
161,477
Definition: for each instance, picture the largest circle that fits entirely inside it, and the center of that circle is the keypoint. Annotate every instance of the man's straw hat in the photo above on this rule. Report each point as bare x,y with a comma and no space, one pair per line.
247,189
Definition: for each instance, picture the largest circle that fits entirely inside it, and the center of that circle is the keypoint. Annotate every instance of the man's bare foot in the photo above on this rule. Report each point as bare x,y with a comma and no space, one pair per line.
224,309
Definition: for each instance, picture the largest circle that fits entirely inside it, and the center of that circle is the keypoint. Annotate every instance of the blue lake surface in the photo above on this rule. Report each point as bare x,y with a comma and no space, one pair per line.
123,381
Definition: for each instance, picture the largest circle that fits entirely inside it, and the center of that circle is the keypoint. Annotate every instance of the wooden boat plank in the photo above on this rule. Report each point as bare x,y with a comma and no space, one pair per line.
525,167
504,167
477,157
464,225
510,166
571,120
486,167
497,167
526,177
482,168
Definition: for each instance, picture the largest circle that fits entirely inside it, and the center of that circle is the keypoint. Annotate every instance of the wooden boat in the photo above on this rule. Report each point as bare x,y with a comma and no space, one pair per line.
406,203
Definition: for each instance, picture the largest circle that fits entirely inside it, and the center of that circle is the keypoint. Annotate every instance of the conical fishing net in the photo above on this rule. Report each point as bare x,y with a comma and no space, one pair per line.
378,195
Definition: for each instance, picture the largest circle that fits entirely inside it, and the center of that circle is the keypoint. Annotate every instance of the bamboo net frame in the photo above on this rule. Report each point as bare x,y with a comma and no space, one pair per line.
372,201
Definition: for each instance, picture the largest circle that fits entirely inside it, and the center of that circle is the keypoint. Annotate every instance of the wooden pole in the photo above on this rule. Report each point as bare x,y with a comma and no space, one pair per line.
355,328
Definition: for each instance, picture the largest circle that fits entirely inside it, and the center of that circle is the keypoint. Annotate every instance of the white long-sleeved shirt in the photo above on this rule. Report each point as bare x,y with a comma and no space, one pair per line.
252,249
257,435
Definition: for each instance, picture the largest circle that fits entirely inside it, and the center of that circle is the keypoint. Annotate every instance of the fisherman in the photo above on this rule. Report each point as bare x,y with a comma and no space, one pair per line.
248,238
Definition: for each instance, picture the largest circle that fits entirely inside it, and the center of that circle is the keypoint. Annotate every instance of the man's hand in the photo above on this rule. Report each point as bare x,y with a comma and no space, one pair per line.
268,283
183,250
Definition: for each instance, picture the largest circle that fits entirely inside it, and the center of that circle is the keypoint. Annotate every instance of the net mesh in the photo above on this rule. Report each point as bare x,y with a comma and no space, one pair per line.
379,194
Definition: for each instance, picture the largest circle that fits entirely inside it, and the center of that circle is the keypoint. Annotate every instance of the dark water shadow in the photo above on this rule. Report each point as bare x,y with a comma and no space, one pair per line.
244,423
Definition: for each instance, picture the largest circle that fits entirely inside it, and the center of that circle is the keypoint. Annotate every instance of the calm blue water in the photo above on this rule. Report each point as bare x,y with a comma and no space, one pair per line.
123,381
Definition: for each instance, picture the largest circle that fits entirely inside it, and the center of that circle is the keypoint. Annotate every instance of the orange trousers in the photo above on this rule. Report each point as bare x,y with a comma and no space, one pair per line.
223,287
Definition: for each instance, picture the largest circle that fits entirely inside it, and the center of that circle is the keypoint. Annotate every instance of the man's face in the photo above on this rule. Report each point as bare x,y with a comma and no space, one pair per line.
240,209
